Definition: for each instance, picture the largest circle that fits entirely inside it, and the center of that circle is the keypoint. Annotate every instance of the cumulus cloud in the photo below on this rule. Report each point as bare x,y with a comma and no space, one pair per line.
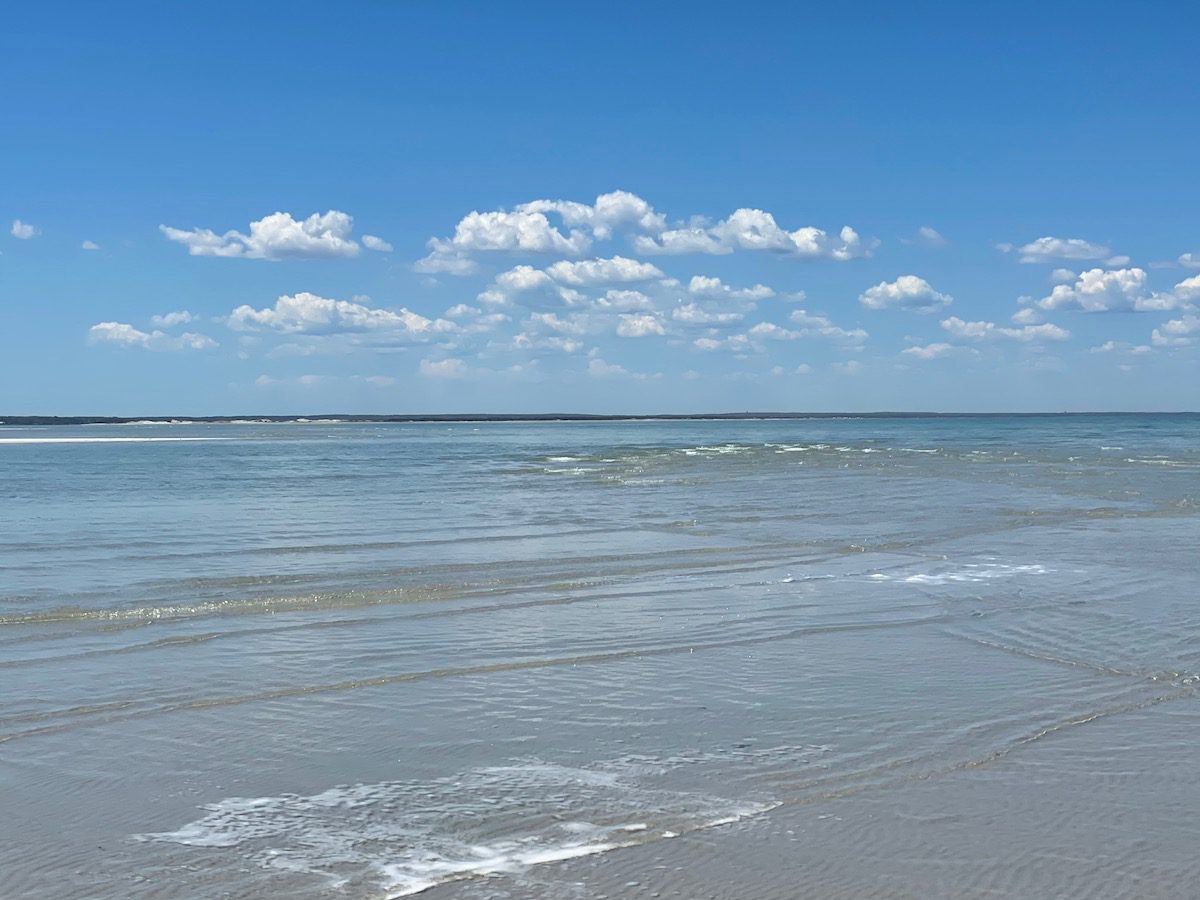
705,286
598,368
808,325
756,229
275,237
171,319
573,325
927,236
1050,249
610,210
929,351
820,326
624,300
694,314
562,280
980,330
89,245
633,325
617,270
378,244
1122,347
906,292
1101,290
1190,260
126,335
23,231
556,342
451,367
1027,315
569,228
305,313
527,228
1176,332
1188,289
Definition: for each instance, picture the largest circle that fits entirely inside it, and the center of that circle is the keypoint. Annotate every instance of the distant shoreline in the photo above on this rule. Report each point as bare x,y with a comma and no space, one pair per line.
339,418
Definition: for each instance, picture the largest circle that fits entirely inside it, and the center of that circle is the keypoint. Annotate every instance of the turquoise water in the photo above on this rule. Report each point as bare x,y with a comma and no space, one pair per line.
366,660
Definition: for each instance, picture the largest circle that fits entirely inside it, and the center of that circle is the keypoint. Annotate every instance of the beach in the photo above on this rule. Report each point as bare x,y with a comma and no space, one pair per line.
833,657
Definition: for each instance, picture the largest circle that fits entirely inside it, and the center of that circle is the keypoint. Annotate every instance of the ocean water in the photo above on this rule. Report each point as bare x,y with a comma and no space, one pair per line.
861,657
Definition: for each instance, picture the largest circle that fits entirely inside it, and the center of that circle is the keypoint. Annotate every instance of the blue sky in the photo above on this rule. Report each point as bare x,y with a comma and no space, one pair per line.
629,208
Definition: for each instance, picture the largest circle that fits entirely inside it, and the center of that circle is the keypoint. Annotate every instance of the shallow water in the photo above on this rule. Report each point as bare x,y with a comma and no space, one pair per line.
862,657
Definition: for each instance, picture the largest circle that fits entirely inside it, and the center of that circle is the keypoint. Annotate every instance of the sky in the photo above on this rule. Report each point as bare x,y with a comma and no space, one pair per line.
620,208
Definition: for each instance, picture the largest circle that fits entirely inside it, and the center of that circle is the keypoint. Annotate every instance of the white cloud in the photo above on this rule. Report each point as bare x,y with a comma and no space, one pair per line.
981,330
694,314
1122,347
526,341
1188,289
562,278
572,325
973,330
617,270
704,286
929,351
528,229
598,368
126,335
756,229
927,236
906,292
931,236
634,325
1175,333
89,245
1026,315
1190,260
274,237
450,367
23,231
610,210
1100,290
624,300
523,278
1044,332
1062,276
305,313
753,340
774,332
821,326
445,260
169,320
1049,249
378,244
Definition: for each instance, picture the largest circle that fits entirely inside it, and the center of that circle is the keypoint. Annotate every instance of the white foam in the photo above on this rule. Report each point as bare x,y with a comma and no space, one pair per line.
970,572
407,837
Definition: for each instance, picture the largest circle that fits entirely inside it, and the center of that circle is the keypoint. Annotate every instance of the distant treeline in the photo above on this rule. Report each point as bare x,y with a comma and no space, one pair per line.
527,417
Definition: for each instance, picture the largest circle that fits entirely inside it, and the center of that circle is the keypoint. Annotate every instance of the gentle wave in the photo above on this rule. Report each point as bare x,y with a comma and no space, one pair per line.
394,835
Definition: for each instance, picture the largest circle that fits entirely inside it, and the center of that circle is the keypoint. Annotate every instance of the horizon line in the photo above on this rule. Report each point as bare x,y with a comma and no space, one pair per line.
350,418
